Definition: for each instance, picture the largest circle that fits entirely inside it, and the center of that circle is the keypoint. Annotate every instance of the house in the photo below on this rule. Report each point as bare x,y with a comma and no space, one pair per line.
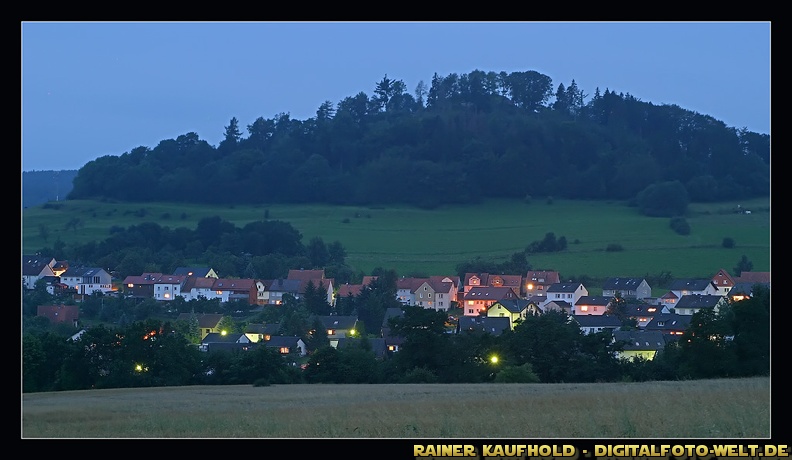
479,298
392,342
34,268
592,324
209,323
723,282
376,344
199,272
454,280
167,287
639,344
643,313
483,325
434,294
257,332
592,305
236,289
87,280
317,278
198,287
684,287
338,327
566,292
280,287
669,324
556,305
537,282
405,289
514,309
741,291
287,345
226,341
693,303
60,313
627,288
141,286
485,279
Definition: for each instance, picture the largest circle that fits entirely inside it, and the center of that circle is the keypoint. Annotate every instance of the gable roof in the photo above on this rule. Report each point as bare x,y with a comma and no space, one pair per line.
494,325
669,322
231,337
279,341
745,288
513,305
34,265
690,284
564,287
284,285
642,310
699,301
597,321
634,340
349,290
753,277
378,345
616,283
193,282
227,284
305,275
602,301
490,293
144,279
338,322
543,276
262,328
83,272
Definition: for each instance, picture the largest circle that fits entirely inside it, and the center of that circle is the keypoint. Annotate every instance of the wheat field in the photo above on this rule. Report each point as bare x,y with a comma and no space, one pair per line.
699,409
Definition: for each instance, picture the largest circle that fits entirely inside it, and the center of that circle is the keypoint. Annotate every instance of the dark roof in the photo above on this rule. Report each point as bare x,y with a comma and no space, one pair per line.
282,341
33,265
669,322
192,271
597,321
218,337
205,320
698,301
563,287
615,284
513,305
642,309
230,346
690,285
745,288
338,322
640,340
261,328
282,285
484,324
594,300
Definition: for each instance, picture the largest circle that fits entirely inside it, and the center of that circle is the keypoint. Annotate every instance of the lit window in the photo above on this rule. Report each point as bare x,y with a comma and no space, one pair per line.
584,308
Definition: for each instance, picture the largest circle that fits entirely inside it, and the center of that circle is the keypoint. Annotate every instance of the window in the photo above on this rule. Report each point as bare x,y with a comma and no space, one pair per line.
584,308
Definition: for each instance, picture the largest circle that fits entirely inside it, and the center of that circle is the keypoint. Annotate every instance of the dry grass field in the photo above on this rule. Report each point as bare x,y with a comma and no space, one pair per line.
701,409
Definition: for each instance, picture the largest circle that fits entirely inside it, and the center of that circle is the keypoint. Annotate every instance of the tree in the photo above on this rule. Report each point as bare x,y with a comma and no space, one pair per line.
664,199
231,136
743,265
317,252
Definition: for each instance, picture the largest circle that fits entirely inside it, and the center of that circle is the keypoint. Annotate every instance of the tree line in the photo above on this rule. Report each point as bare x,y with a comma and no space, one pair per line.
464,138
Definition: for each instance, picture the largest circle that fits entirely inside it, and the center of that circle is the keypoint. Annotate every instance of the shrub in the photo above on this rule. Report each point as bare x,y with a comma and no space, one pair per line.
419,375
262,382
614,247
517,374
680,225
728,243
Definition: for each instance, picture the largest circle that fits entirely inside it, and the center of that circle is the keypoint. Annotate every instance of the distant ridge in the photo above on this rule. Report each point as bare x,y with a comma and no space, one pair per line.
39,187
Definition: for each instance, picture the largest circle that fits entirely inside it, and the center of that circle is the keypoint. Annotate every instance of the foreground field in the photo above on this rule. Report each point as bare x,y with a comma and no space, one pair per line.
424,242
723,408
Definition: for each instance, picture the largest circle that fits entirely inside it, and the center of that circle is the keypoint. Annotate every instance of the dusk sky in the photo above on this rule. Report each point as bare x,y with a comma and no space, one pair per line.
91,89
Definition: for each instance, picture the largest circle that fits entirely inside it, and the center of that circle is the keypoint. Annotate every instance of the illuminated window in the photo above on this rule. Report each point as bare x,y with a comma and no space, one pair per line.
470,302
330,331
584,308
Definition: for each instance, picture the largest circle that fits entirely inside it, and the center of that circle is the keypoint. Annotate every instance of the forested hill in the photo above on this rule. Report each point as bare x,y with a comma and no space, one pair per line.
462,138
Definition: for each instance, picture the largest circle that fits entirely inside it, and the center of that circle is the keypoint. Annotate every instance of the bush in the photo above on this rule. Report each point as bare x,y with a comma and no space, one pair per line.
728,243
262,382
614,247
419,375
680,225
517,374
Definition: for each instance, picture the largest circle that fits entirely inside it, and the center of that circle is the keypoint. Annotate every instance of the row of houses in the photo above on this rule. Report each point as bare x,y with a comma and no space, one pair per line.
476,293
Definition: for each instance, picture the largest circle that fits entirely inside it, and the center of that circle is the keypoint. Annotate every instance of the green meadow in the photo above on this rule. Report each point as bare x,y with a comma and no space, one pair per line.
426,242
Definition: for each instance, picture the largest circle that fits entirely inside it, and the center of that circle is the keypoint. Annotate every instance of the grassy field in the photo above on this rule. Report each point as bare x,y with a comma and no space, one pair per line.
721,408
417,241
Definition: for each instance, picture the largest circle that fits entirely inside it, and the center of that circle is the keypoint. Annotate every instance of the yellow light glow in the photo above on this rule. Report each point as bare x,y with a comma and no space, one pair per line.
352,332
223,332
494,359
138,367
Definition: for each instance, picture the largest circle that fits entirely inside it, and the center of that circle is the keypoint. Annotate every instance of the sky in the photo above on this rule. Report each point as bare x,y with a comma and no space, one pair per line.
91,89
